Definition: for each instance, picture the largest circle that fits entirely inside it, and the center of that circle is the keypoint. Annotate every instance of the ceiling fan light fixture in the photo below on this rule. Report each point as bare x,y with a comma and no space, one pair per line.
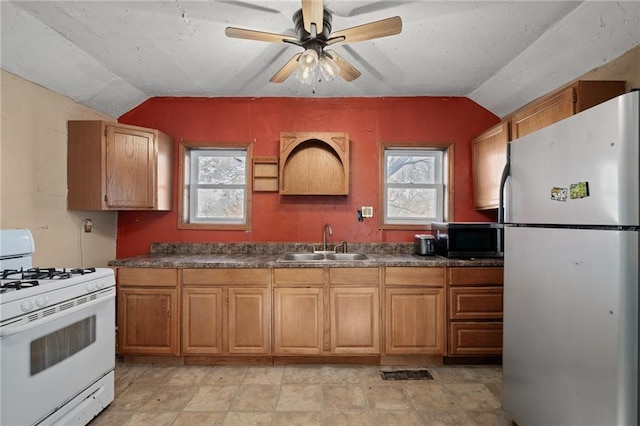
328,68
308,61
305,76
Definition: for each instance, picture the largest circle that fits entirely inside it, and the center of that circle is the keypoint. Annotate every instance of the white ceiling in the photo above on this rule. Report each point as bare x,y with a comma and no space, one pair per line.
112,56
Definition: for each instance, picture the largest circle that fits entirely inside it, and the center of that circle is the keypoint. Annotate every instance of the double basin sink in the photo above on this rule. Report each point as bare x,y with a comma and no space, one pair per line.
320,257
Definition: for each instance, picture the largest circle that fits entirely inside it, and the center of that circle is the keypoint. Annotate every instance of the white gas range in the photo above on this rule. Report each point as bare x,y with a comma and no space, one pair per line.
57,338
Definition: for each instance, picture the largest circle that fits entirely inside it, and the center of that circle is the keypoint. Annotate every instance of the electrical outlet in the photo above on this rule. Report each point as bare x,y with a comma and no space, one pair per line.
367,211
88,225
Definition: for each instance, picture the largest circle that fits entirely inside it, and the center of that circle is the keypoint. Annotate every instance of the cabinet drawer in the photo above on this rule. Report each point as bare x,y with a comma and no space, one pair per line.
297,277
230,276
475,303
475,338
147,277
476,276
411,276
354,276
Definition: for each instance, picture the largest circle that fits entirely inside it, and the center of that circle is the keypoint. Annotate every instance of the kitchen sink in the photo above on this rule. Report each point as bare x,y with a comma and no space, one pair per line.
301,257
319,257
347,256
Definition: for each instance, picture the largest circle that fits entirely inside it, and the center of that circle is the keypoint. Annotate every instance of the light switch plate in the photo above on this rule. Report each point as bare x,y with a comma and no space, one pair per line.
367,211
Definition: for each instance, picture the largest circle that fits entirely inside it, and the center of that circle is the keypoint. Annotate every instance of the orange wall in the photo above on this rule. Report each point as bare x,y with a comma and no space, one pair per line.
301,218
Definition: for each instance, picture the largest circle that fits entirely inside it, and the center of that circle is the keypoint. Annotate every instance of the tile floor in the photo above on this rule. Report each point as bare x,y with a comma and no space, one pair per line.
303,395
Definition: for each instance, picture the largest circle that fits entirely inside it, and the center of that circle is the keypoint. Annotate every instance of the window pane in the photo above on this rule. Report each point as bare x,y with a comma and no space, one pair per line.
221,203
406,203
412,169
225,170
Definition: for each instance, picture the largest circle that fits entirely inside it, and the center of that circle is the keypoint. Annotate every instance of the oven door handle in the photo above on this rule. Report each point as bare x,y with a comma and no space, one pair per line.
10,331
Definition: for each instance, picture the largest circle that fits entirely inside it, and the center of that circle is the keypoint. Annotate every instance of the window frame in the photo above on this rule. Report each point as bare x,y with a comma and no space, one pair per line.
447,174
184,149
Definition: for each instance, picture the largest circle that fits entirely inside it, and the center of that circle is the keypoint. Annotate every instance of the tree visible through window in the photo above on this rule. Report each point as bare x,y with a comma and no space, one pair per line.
413,186
215,190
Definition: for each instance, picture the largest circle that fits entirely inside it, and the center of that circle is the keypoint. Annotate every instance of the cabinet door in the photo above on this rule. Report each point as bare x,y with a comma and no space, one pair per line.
355,316
475,338
414,321
148,321
248,321
489,152
130,168
298,320
543,113
202,320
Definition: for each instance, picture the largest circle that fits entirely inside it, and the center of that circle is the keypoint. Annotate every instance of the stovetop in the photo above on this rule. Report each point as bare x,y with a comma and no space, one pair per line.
25,290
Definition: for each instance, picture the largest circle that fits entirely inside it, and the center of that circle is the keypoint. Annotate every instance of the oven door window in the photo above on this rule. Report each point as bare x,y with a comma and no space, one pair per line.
61,344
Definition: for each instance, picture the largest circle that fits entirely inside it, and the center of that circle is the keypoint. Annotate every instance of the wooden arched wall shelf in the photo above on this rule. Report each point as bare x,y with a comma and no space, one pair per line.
314,163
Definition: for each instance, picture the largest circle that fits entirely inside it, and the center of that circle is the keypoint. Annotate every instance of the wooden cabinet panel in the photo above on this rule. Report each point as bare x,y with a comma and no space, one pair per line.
297,277
354,276
113,166
226,311
202,321
475,309
148,321
414,321
148,277
249,321
543,113
314,163
489,156
226,277
561,104
476,276
475,303
475,338
413,276
355,314
130,168
298,320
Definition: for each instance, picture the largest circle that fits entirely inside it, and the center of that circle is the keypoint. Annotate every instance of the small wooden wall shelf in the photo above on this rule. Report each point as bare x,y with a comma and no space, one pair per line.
314,163
265,174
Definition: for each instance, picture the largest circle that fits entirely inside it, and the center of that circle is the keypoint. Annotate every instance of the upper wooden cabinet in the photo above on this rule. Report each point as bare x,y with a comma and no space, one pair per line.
489,154
489,148
314,163
563,103
113,166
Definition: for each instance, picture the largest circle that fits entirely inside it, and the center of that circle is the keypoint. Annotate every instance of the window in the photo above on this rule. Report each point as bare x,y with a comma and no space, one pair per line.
215,190
414,185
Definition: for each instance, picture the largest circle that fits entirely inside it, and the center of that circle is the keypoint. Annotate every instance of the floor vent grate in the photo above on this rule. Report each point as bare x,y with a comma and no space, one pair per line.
406,375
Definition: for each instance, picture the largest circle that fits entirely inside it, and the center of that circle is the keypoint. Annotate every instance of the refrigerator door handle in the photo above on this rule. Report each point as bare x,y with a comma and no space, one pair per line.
506,172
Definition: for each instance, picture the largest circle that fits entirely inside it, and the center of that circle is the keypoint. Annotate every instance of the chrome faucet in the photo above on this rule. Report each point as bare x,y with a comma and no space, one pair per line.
324,236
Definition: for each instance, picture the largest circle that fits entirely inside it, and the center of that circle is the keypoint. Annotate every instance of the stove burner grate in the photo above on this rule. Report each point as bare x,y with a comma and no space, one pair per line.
44,273
17,285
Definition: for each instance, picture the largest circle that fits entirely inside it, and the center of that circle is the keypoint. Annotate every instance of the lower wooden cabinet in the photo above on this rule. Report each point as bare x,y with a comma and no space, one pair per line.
475,311
226,311
148,312
355,311
298,321
202,321
414,311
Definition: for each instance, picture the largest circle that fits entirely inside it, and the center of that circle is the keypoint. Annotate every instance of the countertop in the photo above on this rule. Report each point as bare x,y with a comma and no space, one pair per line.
265,255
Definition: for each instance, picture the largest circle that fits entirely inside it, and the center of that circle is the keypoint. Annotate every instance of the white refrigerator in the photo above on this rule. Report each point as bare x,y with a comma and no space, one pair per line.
571,299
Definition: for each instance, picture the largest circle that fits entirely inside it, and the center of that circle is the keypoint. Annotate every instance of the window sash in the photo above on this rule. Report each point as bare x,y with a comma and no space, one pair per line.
437,185
195,188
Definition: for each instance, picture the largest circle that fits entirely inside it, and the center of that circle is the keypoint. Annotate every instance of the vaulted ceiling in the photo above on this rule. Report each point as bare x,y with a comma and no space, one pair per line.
112,56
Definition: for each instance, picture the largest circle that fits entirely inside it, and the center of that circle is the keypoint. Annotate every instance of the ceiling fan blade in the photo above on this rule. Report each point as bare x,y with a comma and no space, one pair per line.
286,70
259,35
312,13
347,71
377,29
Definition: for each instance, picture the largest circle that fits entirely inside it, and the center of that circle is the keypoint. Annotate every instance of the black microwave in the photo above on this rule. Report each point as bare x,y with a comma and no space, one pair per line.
467,240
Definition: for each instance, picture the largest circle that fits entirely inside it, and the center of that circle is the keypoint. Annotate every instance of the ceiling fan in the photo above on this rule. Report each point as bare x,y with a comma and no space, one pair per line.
313,28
